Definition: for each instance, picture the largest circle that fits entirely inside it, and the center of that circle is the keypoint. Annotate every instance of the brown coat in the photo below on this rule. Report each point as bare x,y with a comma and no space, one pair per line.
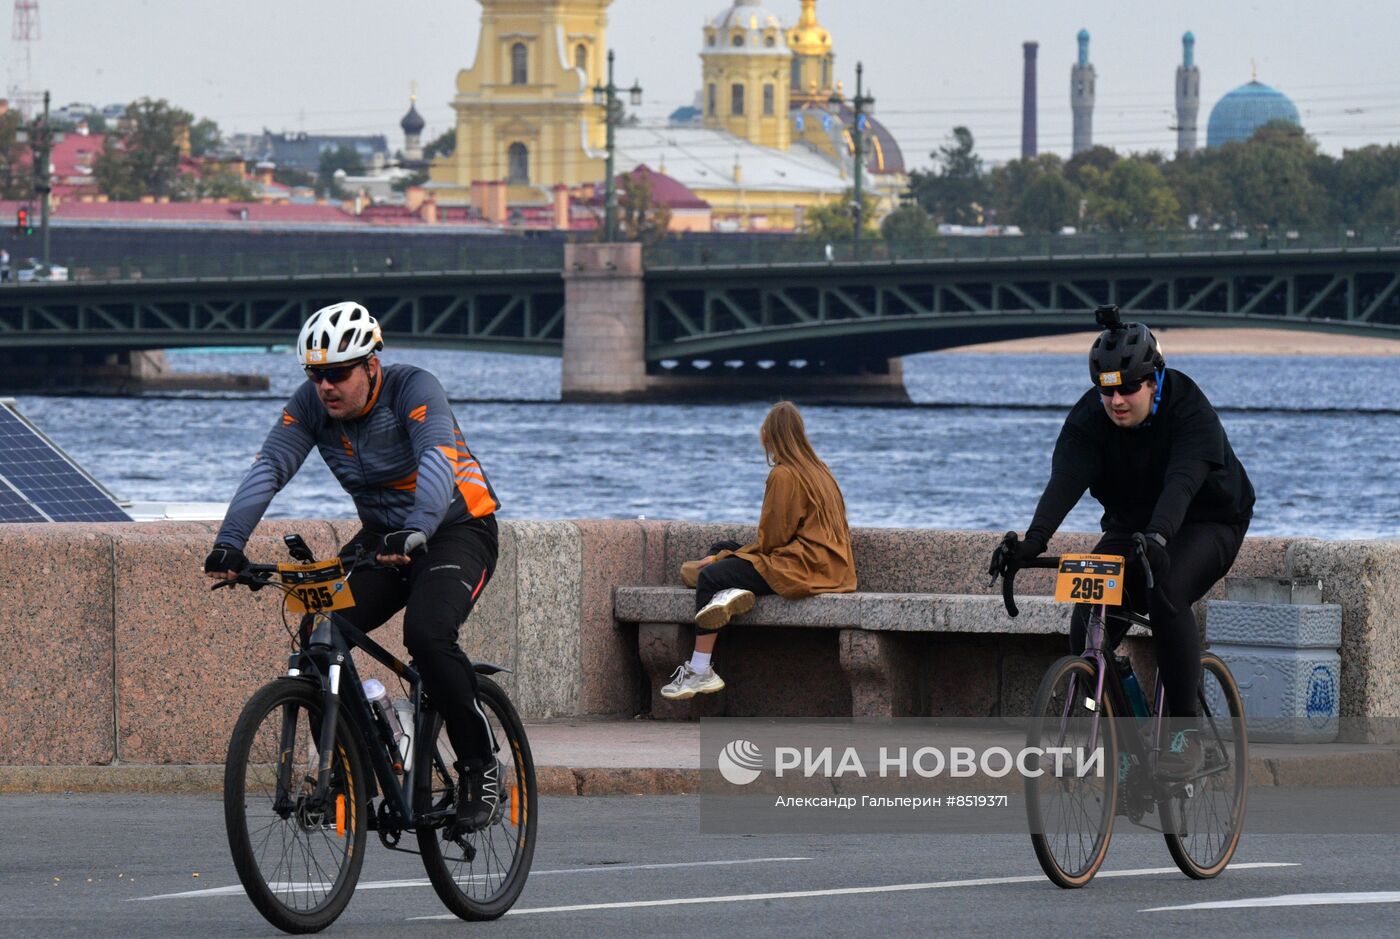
796,552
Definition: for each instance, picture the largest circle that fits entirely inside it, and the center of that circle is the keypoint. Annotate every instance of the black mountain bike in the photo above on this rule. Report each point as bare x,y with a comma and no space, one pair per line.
313,765
1081,706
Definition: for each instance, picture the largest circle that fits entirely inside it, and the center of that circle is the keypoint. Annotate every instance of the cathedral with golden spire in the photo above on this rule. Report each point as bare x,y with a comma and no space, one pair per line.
771,140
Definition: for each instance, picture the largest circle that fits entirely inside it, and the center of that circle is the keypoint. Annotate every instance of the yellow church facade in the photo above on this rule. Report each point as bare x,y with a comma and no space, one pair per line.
769,143
525,111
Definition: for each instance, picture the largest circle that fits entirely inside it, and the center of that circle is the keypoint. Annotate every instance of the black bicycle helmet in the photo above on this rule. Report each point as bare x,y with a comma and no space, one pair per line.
1123,353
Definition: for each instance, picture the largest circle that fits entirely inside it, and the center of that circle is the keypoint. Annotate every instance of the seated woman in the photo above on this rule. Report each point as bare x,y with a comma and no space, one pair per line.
803,548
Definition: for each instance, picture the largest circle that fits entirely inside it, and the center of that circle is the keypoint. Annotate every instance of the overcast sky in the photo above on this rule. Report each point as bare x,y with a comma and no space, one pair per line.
345,66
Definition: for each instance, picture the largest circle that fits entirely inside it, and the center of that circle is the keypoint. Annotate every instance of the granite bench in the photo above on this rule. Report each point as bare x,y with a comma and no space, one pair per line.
876,636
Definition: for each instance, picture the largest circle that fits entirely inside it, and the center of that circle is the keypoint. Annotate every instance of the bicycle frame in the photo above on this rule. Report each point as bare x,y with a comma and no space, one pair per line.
1110,682
326,657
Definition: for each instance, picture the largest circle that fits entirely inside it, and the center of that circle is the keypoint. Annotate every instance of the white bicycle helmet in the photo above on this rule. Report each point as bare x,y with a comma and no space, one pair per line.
341,332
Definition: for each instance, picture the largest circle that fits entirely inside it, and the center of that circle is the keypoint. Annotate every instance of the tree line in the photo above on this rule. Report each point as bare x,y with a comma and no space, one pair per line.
1276,180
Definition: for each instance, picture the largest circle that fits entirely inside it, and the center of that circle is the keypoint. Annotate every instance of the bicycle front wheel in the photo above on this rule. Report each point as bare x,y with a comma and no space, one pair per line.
479,875
1070,803
1202,826
297,856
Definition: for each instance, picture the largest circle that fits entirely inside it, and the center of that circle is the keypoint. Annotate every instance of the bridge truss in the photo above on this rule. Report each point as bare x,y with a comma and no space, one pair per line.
521,313
855,311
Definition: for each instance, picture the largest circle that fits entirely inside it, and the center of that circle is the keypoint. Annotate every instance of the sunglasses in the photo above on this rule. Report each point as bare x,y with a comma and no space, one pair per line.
335,374
1127,389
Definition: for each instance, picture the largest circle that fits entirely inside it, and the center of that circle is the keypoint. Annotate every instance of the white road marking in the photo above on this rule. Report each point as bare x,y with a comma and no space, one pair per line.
848,891
1288,899
237,889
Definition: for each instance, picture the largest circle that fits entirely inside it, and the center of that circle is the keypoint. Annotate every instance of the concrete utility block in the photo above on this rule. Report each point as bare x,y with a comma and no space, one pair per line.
1285,661
1293,590
56,693
1316,626
1364,578
1290,696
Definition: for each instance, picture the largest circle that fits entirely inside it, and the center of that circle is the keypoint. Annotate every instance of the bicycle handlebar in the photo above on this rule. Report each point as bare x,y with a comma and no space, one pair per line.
257,576
1008,569
1008,580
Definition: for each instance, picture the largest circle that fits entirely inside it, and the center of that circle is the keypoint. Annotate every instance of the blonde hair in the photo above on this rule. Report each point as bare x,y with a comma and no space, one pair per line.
784,438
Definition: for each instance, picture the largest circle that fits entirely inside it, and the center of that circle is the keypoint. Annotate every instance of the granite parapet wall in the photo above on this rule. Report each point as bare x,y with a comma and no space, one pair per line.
116,651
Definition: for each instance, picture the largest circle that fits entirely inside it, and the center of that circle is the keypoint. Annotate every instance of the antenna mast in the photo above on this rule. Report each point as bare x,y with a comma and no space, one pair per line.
24,34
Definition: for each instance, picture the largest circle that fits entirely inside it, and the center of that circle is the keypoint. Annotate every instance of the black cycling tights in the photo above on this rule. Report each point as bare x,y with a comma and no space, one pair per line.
436,592
1201,554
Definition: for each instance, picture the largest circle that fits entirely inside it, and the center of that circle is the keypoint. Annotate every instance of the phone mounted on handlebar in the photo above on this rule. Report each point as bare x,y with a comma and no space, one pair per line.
298,549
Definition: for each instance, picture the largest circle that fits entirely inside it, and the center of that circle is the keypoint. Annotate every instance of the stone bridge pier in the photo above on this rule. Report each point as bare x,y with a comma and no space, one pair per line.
605,348
60,371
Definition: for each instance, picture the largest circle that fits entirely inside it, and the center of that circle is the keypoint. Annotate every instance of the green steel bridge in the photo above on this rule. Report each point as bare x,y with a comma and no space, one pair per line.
739,302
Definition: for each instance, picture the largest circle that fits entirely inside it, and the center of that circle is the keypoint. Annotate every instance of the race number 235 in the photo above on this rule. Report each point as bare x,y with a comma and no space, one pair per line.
315,597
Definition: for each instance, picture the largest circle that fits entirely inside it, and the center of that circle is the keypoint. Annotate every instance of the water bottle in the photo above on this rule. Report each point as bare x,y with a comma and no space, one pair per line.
1137,702
379,701
403,709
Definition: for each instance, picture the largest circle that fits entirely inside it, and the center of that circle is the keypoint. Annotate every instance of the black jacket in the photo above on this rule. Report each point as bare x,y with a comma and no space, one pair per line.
1175,467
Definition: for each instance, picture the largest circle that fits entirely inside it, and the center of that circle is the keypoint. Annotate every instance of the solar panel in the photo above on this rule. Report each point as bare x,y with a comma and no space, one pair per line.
39,483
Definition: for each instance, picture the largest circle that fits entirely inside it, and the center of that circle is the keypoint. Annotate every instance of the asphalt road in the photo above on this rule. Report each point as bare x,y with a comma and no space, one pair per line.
116,865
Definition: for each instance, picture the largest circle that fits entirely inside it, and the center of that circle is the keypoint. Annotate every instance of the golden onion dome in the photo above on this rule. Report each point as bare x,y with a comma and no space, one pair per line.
809,37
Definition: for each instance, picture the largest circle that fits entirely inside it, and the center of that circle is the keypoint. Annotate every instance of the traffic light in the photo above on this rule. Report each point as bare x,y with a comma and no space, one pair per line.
22,224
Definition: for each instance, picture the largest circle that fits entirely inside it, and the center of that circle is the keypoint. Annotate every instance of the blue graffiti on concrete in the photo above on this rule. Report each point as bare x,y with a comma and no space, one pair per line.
1322,696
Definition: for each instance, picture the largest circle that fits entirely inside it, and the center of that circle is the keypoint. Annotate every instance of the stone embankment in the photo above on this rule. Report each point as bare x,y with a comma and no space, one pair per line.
120,664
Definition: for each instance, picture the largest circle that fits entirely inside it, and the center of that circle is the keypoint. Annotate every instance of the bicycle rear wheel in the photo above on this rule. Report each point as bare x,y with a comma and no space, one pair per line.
1071,811
1203,828
479,875
298,860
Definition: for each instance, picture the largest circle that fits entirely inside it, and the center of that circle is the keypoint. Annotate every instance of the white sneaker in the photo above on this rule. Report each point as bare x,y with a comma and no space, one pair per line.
686,682
723,607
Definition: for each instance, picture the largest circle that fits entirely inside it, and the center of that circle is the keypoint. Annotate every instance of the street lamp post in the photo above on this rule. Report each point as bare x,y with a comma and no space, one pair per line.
41,137
858,104
606,96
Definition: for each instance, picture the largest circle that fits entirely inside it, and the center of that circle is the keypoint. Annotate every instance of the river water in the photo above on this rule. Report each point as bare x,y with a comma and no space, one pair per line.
1317,436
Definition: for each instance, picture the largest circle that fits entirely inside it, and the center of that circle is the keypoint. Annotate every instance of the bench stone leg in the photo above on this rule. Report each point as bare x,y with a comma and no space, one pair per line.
663,646
882,673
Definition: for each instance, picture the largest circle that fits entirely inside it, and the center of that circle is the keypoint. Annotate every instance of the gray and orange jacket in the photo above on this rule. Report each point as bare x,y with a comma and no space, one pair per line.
403,460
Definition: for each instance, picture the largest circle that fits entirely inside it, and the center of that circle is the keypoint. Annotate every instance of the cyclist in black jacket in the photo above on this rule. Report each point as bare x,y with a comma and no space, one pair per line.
1149,447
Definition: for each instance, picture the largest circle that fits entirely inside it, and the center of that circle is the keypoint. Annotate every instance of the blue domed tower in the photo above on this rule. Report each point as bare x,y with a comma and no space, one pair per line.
1243,111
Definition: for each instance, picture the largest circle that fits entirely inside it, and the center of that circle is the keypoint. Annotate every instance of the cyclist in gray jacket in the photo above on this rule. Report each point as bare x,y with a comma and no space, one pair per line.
427,509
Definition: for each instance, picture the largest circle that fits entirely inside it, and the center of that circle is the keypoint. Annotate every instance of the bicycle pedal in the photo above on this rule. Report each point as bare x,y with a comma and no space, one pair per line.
455,835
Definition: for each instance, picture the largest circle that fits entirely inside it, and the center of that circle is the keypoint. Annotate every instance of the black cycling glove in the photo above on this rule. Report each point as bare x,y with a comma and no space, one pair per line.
406,541
1028,550
225,559
1154,546
1014,553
